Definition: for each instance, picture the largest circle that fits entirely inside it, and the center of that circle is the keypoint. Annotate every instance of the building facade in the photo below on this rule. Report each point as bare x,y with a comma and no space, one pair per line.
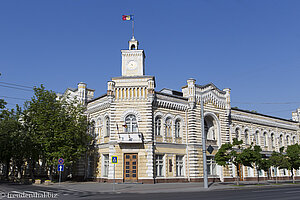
156,135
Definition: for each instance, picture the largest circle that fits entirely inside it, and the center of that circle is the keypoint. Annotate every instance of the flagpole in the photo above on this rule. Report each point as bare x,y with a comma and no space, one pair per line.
132,28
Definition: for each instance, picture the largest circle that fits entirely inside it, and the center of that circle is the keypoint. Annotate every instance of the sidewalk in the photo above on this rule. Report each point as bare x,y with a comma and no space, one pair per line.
160,187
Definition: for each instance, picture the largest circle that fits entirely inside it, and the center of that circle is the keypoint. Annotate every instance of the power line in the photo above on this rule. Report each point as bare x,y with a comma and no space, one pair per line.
13,84
13,97
271,103
16,88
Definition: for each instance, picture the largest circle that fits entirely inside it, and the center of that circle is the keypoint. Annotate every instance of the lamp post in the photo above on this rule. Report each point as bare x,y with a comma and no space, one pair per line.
205,177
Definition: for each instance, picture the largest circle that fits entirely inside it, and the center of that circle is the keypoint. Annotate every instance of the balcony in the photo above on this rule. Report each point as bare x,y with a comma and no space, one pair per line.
130,138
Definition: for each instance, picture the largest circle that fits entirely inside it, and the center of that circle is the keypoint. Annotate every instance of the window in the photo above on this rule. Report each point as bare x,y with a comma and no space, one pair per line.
177,128
280,140
159,164
272,140
287,140
131,124
105,165
260,172
246,137
107,126
92,129
237,133
98,128
294,140
179,165
256,142
211,165
157,125
265,139
168,127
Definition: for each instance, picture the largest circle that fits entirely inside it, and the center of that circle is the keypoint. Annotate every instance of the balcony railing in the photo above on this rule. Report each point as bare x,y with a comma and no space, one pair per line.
130,138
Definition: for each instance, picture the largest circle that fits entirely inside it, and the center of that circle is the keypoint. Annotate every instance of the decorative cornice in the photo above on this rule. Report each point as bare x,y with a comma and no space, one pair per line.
263,122
98,106
212,97
170,105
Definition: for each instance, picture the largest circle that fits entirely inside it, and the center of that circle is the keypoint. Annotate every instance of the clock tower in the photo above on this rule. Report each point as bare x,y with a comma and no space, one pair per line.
133,60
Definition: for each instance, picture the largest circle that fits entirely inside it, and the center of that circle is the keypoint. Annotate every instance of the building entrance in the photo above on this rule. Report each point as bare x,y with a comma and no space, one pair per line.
130,167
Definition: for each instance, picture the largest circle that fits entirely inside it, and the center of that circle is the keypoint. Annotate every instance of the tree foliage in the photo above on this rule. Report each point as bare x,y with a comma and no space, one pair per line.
57,127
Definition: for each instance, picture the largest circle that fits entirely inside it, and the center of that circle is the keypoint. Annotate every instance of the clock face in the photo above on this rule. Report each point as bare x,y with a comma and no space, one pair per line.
131,65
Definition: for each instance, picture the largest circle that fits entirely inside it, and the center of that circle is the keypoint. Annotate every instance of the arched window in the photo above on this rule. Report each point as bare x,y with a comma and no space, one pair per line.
92,129
132,47
209,128
280,140
294,140
131,124
246,136
256,134
98,128
107,126
237,133
177,128
157,125
168,127
265,137
272,140
287,140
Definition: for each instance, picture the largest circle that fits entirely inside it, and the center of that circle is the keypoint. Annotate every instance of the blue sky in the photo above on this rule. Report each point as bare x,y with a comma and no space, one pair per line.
251,47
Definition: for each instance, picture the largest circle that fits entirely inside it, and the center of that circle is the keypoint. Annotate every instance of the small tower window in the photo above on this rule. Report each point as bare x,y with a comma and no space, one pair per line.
132,47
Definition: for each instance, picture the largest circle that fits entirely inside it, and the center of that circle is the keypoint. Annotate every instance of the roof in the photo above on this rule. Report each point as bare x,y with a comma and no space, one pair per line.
254,113
97,98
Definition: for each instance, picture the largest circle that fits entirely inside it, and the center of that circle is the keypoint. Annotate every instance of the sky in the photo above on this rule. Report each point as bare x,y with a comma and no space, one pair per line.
251,47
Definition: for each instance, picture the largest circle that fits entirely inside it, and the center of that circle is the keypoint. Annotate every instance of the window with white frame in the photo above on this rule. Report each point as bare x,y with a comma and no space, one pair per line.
159,165
131,124
280,140
177,128
98,128
246,137
294,140
92,128
105,165
211,165
168,127
107,126
272,140
179,166
237,133
256,138
157,125
265,139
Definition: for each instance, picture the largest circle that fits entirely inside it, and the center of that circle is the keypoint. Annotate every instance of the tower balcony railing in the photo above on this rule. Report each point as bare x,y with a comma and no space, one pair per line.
130,137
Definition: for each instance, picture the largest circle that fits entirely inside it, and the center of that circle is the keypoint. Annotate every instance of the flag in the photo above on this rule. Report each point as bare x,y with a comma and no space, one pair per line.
127,17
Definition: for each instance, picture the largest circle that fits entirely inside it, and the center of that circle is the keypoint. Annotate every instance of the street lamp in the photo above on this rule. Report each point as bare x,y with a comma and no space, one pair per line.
205,178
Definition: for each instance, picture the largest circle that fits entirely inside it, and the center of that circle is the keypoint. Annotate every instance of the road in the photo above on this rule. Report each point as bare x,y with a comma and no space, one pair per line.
284,192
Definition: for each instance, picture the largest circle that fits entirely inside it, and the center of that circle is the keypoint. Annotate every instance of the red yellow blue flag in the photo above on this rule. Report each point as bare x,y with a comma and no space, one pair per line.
127,17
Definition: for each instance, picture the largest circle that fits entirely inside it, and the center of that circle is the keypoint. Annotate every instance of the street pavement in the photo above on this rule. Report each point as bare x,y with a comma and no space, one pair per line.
92,190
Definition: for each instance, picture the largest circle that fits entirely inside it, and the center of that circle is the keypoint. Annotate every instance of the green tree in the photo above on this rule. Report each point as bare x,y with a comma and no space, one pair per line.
276,160
13,140
230,153
293,158
57,127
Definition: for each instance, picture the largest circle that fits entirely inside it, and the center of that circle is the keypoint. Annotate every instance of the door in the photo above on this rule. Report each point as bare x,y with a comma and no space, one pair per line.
130,167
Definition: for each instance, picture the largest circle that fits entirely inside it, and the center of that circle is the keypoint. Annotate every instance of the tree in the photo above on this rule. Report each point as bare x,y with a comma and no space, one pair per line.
13,140
277,159
230,153
57,127
293,158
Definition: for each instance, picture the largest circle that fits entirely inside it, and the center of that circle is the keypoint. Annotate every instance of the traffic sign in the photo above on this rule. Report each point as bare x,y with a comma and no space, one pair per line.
114,159
61,161
60,168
